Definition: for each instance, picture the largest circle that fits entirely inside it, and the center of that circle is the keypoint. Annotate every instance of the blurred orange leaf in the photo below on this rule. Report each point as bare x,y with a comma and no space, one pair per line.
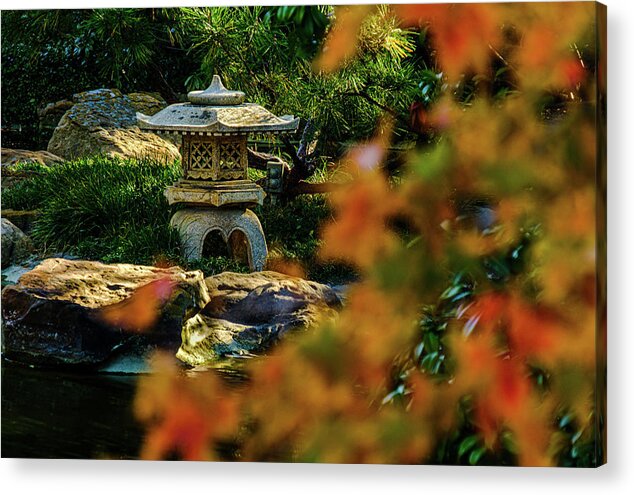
462,33
142,309
342,40
184,414
184,431
359,234
571,72
286,266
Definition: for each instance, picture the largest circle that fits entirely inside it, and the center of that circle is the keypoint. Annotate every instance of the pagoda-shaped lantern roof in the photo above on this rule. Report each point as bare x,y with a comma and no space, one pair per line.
216,111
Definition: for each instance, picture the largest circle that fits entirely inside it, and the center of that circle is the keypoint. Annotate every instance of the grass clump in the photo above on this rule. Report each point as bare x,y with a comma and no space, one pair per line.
101,208
114,210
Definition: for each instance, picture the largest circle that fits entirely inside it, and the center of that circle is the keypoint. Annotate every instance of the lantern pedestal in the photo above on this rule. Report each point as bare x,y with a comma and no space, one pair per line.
225,193
240,228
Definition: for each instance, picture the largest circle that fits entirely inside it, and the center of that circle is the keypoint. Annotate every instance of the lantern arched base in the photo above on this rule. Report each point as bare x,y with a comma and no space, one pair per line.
239,228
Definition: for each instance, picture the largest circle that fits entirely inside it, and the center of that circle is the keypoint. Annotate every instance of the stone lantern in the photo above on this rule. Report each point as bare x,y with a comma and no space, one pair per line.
215,190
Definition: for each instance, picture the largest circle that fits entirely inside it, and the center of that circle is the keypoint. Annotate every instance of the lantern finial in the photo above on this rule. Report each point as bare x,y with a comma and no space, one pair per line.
216,94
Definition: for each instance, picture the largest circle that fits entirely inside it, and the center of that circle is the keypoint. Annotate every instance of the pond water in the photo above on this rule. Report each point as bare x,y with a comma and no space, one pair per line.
53,414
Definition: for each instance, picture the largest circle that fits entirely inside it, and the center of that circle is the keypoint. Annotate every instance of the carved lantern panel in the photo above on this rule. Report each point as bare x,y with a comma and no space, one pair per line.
214,158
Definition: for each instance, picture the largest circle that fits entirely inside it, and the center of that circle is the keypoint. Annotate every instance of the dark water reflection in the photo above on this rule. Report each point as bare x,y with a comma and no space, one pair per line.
52,414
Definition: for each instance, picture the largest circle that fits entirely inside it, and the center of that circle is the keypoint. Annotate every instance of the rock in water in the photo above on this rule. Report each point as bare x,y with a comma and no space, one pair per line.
54,315
15,244
250,312
103,121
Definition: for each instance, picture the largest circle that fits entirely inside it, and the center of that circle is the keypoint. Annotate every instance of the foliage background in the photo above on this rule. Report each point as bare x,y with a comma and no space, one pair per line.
264,51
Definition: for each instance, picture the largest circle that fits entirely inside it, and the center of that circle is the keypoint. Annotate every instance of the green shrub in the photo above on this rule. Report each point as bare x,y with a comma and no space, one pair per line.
292,230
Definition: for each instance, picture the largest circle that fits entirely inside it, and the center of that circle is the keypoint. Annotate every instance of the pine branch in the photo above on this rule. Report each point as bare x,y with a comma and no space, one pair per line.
362,94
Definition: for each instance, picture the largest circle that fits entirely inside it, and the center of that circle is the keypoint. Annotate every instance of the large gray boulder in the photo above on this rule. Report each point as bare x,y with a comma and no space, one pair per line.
248,313
103,121
15,244
54,315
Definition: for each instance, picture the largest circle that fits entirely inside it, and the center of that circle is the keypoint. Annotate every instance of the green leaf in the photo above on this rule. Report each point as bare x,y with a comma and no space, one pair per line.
450,292
429,361
432,343
476,455
467,444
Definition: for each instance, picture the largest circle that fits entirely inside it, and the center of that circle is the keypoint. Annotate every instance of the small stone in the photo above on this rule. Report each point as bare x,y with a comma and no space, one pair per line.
15,244
12,157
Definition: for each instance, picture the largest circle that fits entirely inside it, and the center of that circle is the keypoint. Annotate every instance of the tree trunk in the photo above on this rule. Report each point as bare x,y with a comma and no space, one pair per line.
259,159
304,162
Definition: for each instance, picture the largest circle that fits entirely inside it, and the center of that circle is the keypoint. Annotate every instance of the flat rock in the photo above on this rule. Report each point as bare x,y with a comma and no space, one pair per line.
53,315
10,157
103,121
15,244
11,175
248,313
